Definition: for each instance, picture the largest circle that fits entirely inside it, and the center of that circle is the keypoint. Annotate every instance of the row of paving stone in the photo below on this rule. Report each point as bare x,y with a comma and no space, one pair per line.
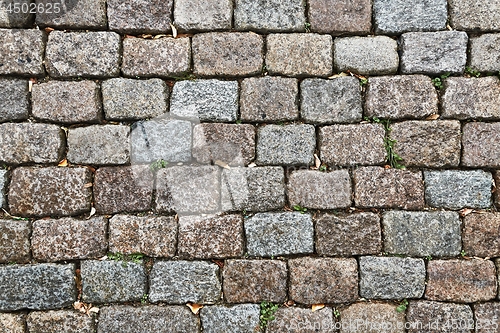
422,316
101,54
327,16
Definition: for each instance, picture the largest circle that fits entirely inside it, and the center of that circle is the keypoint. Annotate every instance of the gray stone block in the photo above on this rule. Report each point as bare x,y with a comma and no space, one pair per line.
481,145
12,322
178,282
61,321
243,318
99,145
90,54
14,100
140,16
125,99
203,15
397,16
484,56
87,14
439,314
373,55
391,277
15,241
456,189
10,19
487,315
30,143
376,316
112,281
276,234
158,319
286,145
253,189
205,100
270,15
21,52
66,101
161,139
340,17
37,287
3,185
302,320
481,15
331,101
422,234
433,53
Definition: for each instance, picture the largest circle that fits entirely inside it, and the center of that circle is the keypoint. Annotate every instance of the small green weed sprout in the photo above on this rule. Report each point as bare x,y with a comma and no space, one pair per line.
307,27
300,209
267,311
472,72
402,306
438,81
157,165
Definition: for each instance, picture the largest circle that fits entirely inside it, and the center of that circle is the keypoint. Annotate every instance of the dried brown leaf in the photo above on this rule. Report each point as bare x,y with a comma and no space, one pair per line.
317,307
195,308
466,211
433,116
63,163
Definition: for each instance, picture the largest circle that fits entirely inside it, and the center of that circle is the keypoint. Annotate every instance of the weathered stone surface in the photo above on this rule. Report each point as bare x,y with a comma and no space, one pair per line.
487,317
481,145
49,191
10,19
496,175
161,139
163,57
299,54
210,236
481,235
12,322
178,282
388,188
37,287
205,100
373,55
371,317
3,182
241,318
255,281
456,189
339,17
482,15
348,235
159,319
188,189
269,98
139,16
331,101
30,143
323,280
62,321
14,101
99,144
88,14
428,316
228,53
320,190
154,236
428,143
401,96
203,15
433,52
466,98
21,52
484,57
422,234
398,16
123,189
89,54
276,234
391,277
356,144
14,241
298,320
462,281
112,281
233,144
253,189
69,239
66,101
286,145
269,15
134,99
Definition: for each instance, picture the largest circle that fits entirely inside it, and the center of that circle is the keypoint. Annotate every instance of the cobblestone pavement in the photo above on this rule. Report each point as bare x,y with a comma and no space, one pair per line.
337,158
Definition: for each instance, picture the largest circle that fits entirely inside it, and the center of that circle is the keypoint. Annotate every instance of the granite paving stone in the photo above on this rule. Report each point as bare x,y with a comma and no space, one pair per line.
3,185
433,53
93,54
242,318
428,315
69,239
331,101
12,322
373,55
112,281
372,316
140,16
14,99
44,286
487,317
298,320
391,277
21,52
348,235
270,15
481,234
11,19
481,145
87,14
14,241
203,15
60,321
254,281
483,15
484,55
299,54
178,282
340,17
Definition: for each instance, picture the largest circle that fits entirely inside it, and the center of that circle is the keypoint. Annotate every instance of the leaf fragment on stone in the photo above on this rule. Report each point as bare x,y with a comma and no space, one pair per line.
316,307
338,75
195,308
174,30
222,164
92,212
466,211
63,163
433,116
